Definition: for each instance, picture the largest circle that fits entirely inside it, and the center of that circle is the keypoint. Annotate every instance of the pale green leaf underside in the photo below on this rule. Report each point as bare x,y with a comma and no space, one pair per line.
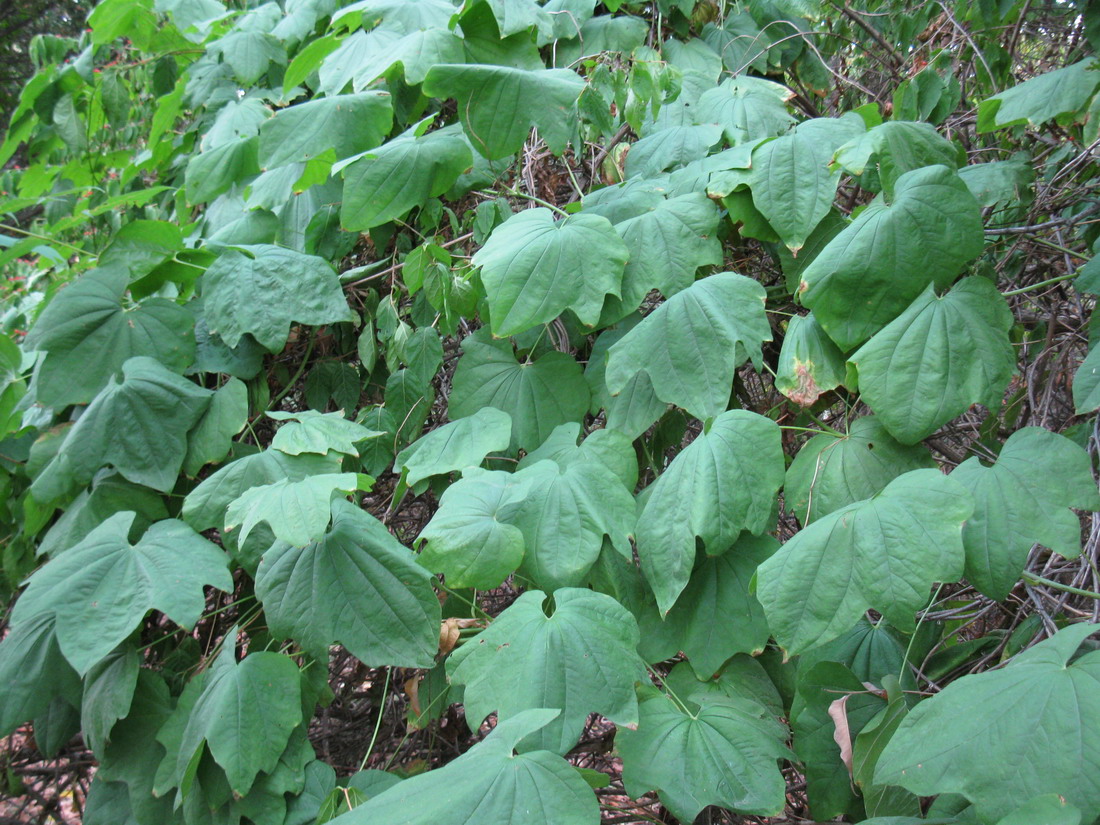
455,446
297,512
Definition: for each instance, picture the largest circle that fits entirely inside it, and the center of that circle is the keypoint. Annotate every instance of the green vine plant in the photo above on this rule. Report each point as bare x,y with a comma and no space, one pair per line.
552,411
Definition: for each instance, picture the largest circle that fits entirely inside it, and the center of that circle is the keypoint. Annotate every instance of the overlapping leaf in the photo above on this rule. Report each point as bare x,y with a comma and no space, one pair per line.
1005,736
356,585
722,483
538,394
101,589
937,358
724,754
833,471
137,425
498,105
580,660
883,553
891,253
535,267
1022,500
489,784
88,335
691,344
263,289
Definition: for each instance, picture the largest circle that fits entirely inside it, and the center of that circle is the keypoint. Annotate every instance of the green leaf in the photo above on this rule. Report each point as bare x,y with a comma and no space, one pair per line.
399,15
882,553
671,148
356,586
538,394
211,439
455,446
490,785
133,754
1086,383
829,785
205,506
298,512
33,672
110,494
581,660
891,252
541,98
212,172
250,53
809,362
831,472
636,406
470,538
791,183
368,56
87,336
347,123
108,693
404,173
534,267
101,589
724,482
1050,808
957,742
668,240
1049,96
263,289
1020,501
747,108
245,715
937,358
309,431
564,516
889,150
158,408
609,448
692,344
717,616
741,677
725,754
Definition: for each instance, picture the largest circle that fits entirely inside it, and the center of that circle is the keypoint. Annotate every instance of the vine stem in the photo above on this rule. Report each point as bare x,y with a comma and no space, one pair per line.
294,380
1048,282
378,721
9,228
1031,578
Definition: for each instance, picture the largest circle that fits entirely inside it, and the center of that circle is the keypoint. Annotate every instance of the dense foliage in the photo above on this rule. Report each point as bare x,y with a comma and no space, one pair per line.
543,410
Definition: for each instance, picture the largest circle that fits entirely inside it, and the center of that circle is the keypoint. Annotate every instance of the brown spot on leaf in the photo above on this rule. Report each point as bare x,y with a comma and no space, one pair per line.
807,392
